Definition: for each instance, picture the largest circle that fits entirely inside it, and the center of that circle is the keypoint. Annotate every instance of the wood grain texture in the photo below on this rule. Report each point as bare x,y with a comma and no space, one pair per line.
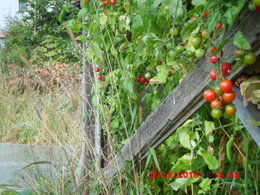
244,113
184,101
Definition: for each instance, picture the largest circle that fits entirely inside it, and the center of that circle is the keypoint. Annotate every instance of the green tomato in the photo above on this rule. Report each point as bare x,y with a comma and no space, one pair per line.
250,58
189,53
199,53
205,34
172,54
216,113
218,90
257,2
179,49
252,6
195,41
174,31
134,96
148,75
156,92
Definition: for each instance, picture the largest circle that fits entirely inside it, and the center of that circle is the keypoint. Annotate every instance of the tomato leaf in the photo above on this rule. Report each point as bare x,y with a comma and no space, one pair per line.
240,41
214,19
182,182
188,28
199,2
209,159
137,22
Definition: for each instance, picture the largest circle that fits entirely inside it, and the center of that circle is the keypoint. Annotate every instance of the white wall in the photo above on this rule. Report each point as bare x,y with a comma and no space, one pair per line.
8,8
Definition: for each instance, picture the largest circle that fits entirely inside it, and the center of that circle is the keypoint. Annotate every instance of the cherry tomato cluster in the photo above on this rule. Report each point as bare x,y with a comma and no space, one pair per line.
254,5
221,98
106,2
142,80
99,77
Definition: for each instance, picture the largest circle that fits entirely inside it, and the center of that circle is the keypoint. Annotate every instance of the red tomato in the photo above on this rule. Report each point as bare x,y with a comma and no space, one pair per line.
229,96
226,86
100,77
214,49
257,8
226,67
213,74
210,95
142,79
146,82
216,104
206,14
97,69
214,59
220,25
113,2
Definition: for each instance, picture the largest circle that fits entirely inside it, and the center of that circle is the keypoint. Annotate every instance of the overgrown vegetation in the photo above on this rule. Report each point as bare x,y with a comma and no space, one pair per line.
39,37
143,50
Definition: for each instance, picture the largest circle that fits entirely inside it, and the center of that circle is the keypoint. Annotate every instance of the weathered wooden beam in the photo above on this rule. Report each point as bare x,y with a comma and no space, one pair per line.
247,112
184,101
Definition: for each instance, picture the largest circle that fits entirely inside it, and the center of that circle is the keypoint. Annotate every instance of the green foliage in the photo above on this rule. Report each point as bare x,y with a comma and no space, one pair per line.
40,36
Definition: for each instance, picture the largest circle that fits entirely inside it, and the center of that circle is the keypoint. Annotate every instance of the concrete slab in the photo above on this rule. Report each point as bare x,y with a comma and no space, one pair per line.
14,157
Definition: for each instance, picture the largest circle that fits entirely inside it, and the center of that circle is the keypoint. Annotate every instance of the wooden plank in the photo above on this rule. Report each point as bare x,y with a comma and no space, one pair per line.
183,102
244,113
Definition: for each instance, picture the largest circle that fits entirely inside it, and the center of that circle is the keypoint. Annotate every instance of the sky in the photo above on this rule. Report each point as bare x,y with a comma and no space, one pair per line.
8,8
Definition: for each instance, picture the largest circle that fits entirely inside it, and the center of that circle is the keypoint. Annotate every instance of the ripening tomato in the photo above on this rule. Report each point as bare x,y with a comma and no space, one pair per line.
239,53
216,104
97,69
106,2
229,96
210,95
230,109
194,18
206,14
220,25
226,86
226,67
213,74
214,59
100,77
159,62
205,34
113,2
216,113
250,58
